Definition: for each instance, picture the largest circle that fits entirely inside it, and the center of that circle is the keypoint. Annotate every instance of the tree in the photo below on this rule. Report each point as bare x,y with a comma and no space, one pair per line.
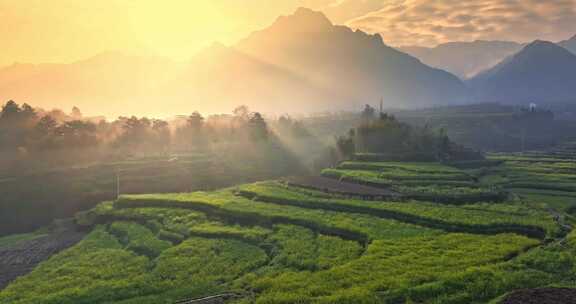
77,134
368,113
258,127
161,135
345,146
76,114
242,112
195,121
10,110
46,125
43,135
16,125
444,146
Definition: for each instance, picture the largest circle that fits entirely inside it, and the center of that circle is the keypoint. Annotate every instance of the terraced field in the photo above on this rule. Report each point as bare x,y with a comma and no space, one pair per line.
539,178
480,238
422,181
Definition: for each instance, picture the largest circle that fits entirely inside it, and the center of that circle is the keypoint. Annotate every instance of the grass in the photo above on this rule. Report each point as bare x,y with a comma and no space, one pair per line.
390,265
14,239
359,227
446,189
473,218
138,239
301,249
541,179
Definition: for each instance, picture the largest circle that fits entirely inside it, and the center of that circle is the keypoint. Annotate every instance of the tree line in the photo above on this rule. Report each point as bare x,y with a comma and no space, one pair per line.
24,129
383,137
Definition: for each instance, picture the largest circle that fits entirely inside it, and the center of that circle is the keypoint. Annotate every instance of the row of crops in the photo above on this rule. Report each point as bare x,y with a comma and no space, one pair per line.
274,242
422,181
539,178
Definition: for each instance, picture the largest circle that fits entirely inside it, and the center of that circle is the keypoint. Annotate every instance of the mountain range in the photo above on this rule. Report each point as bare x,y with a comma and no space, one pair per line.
464,59
467,59
542,72
302,61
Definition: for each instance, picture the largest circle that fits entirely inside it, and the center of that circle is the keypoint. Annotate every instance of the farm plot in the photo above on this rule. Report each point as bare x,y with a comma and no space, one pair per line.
447,185
277,242
390,266
225,204
476,218
21,258
542,179
331,186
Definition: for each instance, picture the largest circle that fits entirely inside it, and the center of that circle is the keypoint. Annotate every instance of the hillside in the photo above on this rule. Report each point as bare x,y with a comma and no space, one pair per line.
464,59
569,44
542,72
426,232
360,68
230,78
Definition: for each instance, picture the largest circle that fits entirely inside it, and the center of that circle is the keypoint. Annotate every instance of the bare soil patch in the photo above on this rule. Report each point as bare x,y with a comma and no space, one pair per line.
23,257
330,185
542,296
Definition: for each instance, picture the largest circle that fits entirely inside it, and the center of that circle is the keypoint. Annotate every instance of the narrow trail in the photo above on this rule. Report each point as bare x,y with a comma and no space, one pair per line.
214,299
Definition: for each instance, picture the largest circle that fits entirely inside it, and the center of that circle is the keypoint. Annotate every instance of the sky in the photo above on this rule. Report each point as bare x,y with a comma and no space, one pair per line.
37,31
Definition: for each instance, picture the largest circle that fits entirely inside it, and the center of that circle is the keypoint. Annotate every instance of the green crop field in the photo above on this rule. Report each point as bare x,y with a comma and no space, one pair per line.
538,178
468,233
422,181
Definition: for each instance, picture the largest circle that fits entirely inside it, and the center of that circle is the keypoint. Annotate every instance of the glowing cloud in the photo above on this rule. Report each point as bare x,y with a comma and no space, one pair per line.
427,23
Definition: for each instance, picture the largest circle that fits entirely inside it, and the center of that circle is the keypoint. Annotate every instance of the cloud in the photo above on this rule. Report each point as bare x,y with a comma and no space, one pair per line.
430,22
340,11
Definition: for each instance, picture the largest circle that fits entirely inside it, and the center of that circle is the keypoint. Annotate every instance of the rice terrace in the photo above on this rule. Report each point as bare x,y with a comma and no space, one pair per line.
452,236
306,152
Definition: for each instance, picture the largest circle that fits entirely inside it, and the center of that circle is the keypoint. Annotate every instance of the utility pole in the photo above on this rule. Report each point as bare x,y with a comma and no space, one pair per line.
117,184
523,139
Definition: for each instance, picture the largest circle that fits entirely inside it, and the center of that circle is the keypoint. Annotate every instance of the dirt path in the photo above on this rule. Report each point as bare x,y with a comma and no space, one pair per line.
23,257
330,185
215,299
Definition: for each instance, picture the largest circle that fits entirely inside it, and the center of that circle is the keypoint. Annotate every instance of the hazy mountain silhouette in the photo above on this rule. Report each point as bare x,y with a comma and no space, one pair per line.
569,44
357,67
465,59
300,63
220,78
542,72
112,79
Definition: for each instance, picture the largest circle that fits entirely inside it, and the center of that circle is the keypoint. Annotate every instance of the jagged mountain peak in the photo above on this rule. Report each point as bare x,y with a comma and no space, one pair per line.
303,20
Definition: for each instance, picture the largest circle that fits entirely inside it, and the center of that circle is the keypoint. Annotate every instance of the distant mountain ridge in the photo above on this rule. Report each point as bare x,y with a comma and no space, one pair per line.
302,62
112,78
464,59
354,65
468,59
569,44
542,72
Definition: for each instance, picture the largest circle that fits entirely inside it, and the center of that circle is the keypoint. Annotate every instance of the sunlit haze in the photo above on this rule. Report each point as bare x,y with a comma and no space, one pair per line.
38,31
119,57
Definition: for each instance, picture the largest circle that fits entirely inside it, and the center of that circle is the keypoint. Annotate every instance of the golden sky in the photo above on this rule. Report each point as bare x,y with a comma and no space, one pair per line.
69,30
